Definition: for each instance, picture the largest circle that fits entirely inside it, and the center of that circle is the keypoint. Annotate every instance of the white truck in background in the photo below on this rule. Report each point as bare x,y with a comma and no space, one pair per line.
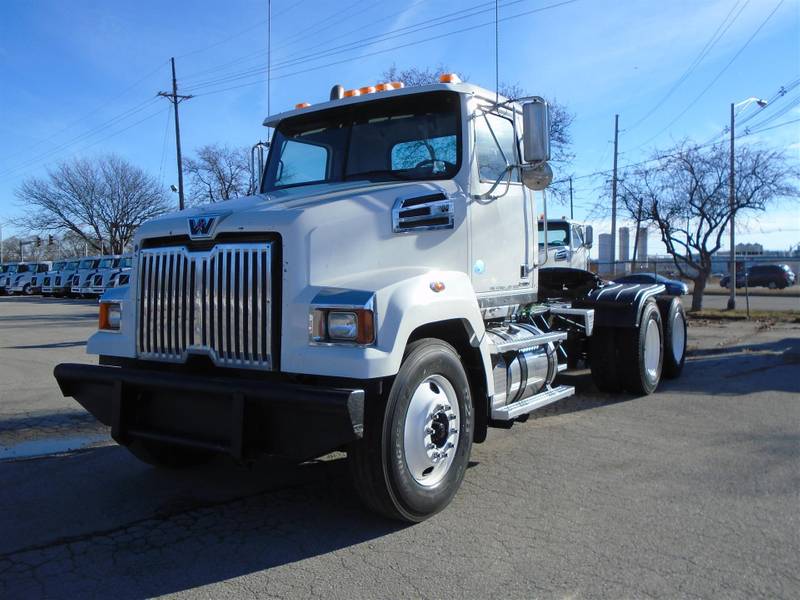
568,243
382,294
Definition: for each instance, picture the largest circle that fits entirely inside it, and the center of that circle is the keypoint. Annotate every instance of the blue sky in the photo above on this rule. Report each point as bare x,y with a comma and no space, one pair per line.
80,77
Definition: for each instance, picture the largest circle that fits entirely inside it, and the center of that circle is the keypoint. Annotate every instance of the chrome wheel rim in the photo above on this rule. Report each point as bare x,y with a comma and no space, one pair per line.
431,431
678,337
652,349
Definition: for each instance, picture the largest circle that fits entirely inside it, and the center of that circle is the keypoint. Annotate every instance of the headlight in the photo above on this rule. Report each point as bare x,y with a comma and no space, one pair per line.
342,325
110,316
336,325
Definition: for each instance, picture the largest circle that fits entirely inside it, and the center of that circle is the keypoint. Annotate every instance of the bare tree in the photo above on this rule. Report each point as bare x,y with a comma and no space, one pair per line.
218,173
684,193
102,201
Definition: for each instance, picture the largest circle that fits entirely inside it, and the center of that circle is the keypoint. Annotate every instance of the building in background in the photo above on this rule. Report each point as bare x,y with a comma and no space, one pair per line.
641,246
604,253
624,244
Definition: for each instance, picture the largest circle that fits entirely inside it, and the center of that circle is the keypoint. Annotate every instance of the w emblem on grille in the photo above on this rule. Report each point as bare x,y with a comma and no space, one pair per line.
202,226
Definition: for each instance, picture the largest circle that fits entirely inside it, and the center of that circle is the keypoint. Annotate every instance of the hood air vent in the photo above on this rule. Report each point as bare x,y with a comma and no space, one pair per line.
421,213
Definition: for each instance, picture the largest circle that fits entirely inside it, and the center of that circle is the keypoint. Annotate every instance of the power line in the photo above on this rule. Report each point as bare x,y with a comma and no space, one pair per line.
718,75
260,55
674,155
92,113
485,7
79,138
400,46
723,27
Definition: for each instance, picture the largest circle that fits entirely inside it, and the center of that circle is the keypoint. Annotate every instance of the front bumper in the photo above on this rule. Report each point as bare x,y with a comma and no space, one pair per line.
240,417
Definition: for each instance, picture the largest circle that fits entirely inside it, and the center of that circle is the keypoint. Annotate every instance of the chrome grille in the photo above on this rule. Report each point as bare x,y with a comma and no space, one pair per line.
217,302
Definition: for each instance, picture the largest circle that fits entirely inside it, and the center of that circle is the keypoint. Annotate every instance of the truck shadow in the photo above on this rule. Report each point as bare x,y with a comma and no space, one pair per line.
84,524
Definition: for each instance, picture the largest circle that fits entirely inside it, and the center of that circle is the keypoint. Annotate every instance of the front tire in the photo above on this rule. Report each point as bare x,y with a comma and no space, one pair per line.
417,437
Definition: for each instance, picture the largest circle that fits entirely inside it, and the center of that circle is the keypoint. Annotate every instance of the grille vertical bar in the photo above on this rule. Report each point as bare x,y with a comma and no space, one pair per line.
217,303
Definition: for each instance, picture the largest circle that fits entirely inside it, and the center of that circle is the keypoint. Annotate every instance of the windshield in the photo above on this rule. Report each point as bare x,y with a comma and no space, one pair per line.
107,263
57,266
87,264
557,234
71,265
126,263
3,268
412,137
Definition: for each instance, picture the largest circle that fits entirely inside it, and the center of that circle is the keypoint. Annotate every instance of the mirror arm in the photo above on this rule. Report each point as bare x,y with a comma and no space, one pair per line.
505,174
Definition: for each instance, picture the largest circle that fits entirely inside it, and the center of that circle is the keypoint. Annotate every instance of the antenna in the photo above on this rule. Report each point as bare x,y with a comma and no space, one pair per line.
496,51
269,56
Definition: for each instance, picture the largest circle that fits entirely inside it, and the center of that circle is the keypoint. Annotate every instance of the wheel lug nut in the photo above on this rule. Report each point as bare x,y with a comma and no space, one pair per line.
447,407
450,445
451,417
453,431
429,430
430,446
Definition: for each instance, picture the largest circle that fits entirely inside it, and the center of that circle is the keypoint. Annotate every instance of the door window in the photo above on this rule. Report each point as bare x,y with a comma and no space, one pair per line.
495,147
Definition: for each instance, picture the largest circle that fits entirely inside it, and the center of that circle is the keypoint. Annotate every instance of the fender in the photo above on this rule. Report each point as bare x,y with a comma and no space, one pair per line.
403,300
619,304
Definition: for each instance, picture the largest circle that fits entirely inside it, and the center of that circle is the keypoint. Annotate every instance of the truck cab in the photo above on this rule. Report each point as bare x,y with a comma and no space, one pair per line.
48,279
103,277
81,280
568,244
28,278
380,295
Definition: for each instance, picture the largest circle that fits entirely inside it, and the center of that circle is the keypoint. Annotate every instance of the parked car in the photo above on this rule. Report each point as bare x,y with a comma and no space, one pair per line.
674,286
771,276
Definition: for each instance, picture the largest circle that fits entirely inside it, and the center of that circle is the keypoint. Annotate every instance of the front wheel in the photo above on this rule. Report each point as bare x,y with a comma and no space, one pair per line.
417,438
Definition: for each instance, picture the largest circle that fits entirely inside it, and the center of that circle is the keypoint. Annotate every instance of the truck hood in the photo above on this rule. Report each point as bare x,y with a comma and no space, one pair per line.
280,209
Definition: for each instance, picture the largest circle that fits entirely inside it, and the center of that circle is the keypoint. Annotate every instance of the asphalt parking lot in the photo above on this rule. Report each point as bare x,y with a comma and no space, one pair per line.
691,492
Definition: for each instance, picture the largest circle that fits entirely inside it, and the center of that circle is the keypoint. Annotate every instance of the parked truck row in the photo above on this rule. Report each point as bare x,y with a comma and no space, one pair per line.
87,277
383,294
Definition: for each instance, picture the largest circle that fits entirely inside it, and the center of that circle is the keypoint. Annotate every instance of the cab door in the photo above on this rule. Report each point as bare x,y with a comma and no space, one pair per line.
501,236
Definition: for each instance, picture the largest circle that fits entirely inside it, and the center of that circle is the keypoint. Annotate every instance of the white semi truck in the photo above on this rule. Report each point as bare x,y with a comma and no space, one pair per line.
568,243
381,295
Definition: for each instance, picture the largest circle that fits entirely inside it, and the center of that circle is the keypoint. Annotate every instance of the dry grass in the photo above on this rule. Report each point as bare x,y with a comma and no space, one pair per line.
784,316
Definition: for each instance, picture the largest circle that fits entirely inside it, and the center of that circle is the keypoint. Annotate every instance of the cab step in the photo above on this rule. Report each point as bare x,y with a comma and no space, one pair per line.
526,405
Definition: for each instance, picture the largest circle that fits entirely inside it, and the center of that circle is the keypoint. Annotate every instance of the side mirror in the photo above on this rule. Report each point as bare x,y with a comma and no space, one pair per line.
537,177
536,131
588,238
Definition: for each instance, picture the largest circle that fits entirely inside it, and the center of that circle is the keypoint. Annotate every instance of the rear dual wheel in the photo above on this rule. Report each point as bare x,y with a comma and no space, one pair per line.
417,437
629,358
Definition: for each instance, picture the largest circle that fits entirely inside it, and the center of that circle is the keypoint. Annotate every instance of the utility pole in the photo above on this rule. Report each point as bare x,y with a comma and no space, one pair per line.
732,200
614,197
176,99
571,212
